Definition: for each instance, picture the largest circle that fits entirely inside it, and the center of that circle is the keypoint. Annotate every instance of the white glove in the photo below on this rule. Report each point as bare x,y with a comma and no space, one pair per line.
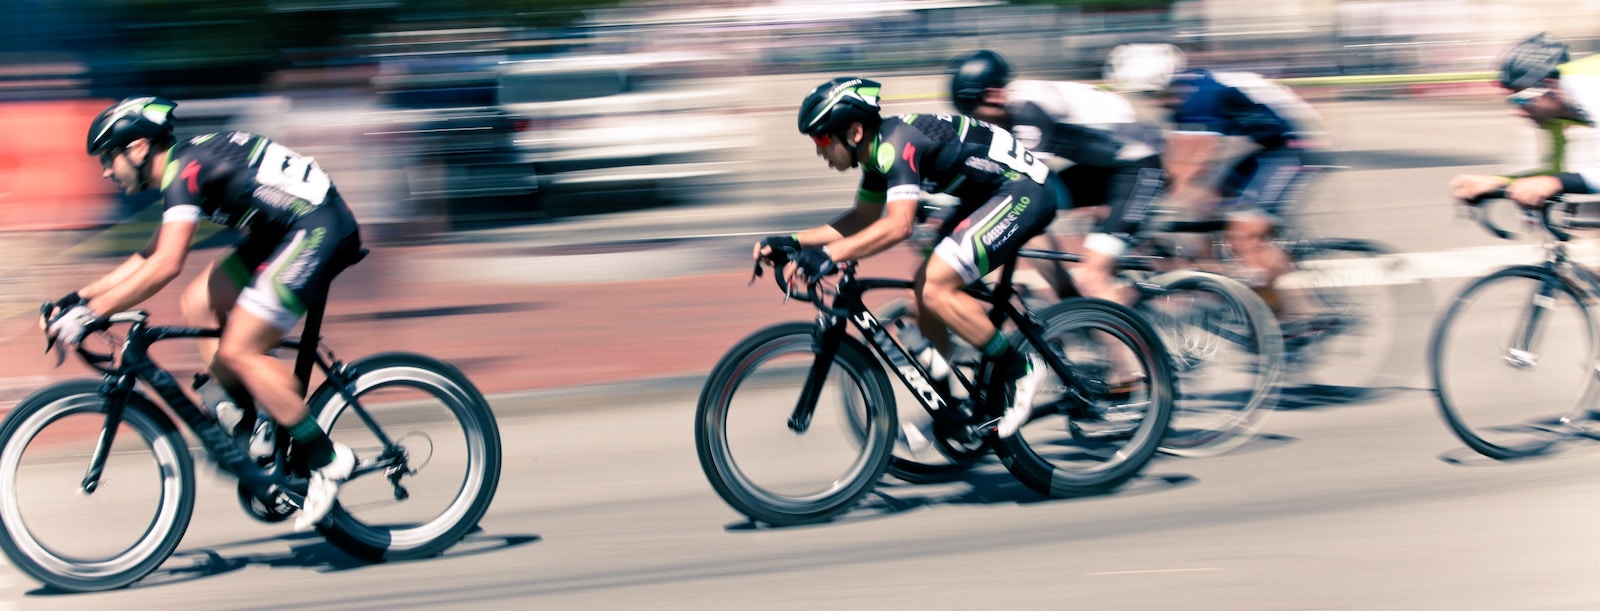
68,329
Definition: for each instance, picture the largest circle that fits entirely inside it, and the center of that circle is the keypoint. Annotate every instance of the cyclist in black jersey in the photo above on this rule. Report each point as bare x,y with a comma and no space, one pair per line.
1006,197
1107,157
298,235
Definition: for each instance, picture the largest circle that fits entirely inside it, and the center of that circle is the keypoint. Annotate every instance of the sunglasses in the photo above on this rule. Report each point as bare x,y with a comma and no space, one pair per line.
823,140
109,157
1528,96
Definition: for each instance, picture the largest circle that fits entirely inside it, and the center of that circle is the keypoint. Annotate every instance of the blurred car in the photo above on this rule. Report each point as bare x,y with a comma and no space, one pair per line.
608,132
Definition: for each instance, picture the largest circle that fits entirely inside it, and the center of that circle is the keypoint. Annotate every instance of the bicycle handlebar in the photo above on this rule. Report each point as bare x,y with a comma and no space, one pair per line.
780,258
1476,208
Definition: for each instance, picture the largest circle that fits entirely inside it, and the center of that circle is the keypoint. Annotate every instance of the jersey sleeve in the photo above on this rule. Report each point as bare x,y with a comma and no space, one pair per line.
898,156
180,190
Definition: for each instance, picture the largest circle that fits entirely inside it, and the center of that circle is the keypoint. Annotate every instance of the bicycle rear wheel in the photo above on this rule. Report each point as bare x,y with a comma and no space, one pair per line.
1227,354
1088,444
1513,362
763,468
447,447
106,539
1342,297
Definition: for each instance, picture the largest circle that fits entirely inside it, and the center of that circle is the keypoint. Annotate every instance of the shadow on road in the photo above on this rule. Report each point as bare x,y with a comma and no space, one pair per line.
987,483
306,550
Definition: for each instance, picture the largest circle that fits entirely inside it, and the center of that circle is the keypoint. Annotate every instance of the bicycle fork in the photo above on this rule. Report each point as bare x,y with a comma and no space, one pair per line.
1520,353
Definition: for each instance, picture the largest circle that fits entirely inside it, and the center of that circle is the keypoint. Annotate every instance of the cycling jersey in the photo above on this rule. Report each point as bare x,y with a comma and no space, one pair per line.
1114,156
1007,195
1579,170
1271,179
1243,104
1079,123
299,233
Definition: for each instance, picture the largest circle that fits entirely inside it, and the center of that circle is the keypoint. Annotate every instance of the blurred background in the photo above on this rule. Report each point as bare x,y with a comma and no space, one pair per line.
444,115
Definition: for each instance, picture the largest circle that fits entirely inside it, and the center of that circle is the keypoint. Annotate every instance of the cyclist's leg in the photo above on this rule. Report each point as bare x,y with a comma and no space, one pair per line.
997,230
208,299
1278,178
1133,190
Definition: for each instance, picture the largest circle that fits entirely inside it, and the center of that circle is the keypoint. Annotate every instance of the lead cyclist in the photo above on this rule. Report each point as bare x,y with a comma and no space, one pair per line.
298,235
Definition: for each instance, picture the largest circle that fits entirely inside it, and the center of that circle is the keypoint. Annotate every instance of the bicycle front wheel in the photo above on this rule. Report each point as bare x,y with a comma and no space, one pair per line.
78,541
1513,362
443,455
1227,353
772,473
1098,426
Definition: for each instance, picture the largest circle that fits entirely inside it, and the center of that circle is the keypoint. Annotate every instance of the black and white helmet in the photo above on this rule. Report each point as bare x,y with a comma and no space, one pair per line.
1531,61
129,120
834,105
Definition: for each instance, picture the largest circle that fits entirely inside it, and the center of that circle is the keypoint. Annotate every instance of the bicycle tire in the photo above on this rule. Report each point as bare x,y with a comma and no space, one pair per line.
948,459
50,562
1349,290
1495,402
1059,458
755,475
1227,354
379,529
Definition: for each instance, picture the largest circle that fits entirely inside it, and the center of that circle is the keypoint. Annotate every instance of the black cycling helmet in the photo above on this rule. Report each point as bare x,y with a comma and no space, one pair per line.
834,105
129,120
1531,61
971,74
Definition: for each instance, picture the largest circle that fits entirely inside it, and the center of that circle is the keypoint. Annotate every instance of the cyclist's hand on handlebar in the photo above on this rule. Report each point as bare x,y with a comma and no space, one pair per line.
1534,191
68,328
52,309
1469,188
813,263
775,244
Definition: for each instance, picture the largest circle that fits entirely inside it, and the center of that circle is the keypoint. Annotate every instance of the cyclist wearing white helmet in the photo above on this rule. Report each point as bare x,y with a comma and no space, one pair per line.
1104,154
298,235
1555,94
1007,196
1256,190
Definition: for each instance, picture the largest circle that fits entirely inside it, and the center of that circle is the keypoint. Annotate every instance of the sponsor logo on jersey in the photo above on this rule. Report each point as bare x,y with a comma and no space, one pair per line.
191,174
909,154
885,157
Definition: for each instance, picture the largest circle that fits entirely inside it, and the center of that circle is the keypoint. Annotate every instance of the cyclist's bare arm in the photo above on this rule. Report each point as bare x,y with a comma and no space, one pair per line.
867,230
142,275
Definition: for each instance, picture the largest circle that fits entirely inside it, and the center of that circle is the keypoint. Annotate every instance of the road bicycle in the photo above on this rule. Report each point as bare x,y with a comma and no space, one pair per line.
1225,348
797,422
428,446
1513,359
1342,294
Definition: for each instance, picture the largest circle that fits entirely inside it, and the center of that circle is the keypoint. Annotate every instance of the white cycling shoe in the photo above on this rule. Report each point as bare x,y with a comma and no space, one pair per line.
1021,408
323,489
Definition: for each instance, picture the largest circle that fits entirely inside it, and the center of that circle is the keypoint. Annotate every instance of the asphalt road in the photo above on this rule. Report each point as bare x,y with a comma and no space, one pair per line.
1361,502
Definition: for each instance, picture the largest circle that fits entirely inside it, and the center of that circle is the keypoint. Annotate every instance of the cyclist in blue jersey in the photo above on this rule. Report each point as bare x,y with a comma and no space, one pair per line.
298,235
1006,196
1207,107
1554,94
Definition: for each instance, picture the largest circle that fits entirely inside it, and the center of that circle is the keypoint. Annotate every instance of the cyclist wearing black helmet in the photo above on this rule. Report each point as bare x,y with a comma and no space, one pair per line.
1105,155
1007,196
1555,94
299,234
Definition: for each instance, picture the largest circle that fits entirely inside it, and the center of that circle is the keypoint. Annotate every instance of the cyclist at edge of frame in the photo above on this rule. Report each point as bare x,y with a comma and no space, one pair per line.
1007,196
1107,157
1555,94
298,235
1263,185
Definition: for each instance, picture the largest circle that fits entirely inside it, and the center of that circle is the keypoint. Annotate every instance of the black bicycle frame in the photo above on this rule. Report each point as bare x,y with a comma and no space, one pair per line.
935,398
136,364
